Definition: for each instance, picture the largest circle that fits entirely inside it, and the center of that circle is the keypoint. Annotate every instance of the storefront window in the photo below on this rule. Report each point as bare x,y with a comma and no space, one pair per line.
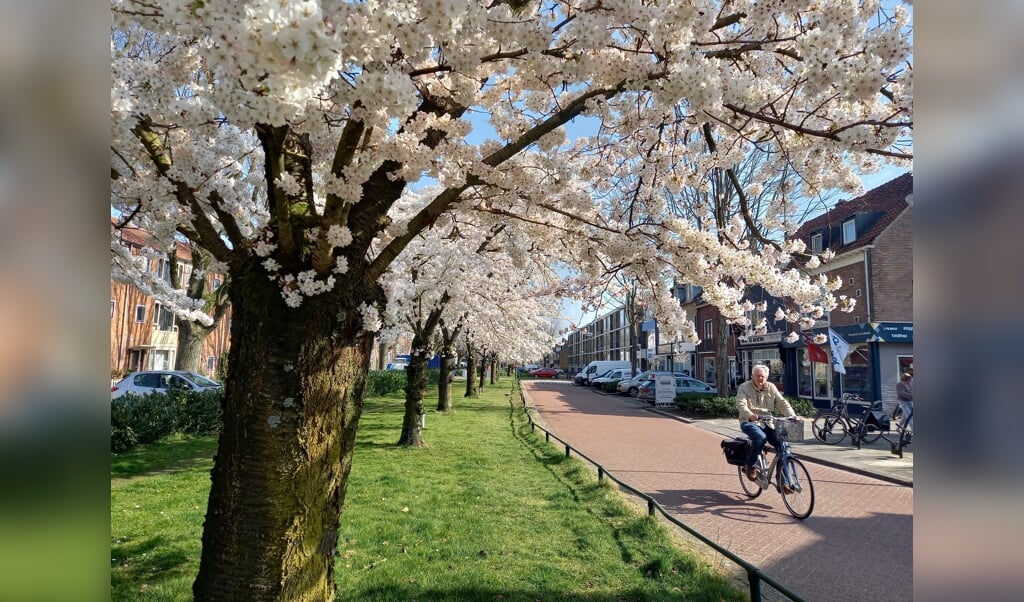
768,357
857,380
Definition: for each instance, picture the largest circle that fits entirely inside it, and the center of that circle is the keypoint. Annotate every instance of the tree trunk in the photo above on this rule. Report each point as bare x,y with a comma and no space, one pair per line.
190,346
290,410
482,370
722,356
494,368
444,385
471,390
416,377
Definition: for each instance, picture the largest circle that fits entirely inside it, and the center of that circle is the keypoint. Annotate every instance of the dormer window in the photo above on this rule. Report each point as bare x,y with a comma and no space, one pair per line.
816,243
849,231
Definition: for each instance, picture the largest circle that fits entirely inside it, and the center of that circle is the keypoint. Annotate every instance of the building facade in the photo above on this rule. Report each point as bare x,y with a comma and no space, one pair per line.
871,237
143,332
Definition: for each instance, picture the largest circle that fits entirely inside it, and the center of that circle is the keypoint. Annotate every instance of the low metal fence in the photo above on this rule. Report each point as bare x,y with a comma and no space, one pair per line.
754,575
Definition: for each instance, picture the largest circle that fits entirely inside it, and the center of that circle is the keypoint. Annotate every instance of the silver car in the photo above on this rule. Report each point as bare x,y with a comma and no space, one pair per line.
161,381
684,384
630,386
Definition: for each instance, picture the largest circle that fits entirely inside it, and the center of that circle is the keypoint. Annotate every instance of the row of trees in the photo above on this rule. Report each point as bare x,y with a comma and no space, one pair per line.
324,153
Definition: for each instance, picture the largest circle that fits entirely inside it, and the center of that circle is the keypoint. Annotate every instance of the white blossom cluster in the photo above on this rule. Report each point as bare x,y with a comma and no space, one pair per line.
377,93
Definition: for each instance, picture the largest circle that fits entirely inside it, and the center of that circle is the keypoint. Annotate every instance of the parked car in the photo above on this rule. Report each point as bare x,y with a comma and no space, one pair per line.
545,372
161,381
396,366
630,386
615,376
645,392
600,367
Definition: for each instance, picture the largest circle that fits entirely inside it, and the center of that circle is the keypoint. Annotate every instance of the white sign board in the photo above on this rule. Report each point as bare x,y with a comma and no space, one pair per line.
665,390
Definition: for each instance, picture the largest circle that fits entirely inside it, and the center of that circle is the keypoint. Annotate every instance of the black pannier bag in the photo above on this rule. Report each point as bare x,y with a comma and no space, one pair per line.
878,419
735,450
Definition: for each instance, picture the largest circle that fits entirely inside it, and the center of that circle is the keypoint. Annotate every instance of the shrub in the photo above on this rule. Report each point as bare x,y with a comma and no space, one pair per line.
141,419
802,407
706,404
384,382
711,406
197,412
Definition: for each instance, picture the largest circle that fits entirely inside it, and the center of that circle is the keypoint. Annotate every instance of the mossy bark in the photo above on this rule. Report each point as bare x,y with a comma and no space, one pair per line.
444,385
291,406
416,384
471,390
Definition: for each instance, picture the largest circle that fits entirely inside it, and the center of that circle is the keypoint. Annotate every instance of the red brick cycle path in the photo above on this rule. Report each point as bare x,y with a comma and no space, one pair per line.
857,545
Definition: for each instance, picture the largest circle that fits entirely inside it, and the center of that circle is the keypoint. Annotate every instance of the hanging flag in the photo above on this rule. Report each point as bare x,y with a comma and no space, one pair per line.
815,352
839,349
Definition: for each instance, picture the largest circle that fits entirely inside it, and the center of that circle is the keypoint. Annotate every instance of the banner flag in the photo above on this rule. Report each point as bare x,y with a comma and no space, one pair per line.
815,352
839,349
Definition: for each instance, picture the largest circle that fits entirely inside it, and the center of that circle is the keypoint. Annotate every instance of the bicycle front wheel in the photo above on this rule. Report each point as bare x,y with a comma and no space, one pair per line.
796,488
751,488
829,428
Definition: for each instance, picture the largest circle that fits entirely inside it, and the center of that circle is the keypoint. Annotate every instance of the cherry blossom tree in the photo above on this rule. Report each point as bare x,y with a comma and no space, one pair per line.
279,135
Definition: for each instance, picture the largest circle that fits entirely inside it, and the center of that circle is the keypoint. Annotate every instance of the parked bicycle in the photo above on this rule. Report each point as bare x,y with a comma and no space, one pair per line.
785,473
831,426
874,427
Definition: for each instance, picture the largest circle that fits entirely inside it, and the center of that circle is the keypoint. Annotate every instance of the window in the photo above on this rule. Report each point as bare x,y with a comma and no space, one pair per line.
140,313
163,270
858,293
216,282
111,309
709,329
816,243
164,319
856,319
210,363
849,231
851,281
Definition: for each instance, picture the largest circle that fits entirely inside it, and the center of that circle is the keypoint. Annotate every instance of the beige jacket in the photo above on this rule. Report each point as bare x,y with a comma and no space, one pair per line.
750,401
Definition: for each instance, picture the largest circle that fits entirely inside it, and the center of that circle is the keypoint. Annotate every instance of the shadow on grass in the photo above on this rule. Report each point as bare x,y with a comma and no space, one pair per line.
148,561
167,456
524,594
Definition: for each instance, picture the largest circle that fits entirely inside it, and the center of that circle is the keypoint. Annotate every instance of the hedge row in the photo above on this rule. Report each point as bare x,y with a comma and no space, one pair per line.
137,420
711,406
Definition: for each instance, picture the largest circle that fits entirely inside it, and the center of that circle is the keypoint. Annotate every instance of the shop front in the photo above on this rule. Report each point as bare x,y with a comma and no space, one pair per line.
878,352
761,349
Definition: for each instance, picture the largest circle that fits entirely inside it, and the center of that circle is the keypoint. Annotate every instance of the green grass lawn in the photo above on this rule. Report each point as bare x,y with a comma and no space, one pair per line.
485,511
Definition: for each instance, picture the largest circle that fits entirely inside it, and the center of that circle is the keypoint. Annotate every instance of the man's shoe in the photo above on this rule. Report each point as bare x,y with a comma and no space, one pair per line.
752,473
787,489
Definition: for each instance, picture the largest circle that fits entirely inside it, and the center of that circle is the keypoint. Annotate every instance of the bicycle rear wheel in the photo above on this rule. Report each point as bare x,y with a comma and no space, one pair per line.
829,428
751,488
798,496
867,433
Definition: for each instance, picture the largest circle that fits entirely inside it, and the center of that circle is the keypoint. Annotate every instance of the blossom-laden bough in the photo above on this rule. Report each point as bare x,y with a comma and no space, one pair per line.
278,135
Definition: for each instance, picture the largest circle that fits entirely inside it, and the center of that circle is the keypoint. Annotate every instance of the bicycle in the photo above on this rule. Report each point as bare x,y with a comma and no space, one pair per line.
903,427
786,473
831,426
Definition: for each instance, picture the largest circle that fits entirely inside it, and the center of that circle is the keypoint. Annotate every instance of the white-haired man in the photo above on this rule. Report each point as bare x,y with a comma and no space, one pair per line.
755,398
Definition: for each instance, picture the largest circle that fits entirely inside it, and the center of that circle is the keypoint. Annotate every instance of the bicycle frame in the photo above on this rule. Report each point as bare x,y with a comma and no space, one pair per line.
787,474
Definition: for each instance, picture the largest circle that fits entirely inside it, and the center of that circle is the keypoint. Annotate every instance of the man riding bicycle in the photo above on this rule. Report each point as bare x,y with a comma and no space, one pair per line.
755,398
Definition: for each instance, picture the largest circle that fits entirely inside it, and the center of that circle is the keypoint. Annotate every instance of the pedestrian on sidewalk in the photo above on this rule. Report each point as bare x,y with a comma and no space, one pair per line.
905,395
754,398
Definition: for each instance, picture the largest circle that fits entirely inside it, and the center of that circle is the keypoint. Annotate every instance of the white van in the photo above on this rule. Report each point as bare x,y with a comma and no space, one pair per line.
598,367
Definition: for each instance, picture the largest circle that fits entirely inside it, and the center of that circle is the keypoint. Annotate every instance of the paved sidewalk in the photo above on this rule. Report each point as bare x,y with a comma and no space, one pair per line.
873,460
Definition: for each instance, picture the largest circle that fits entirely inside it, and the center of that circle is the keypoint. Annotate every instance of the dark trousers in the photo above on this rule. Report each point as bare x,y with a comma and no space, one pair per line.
758,436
